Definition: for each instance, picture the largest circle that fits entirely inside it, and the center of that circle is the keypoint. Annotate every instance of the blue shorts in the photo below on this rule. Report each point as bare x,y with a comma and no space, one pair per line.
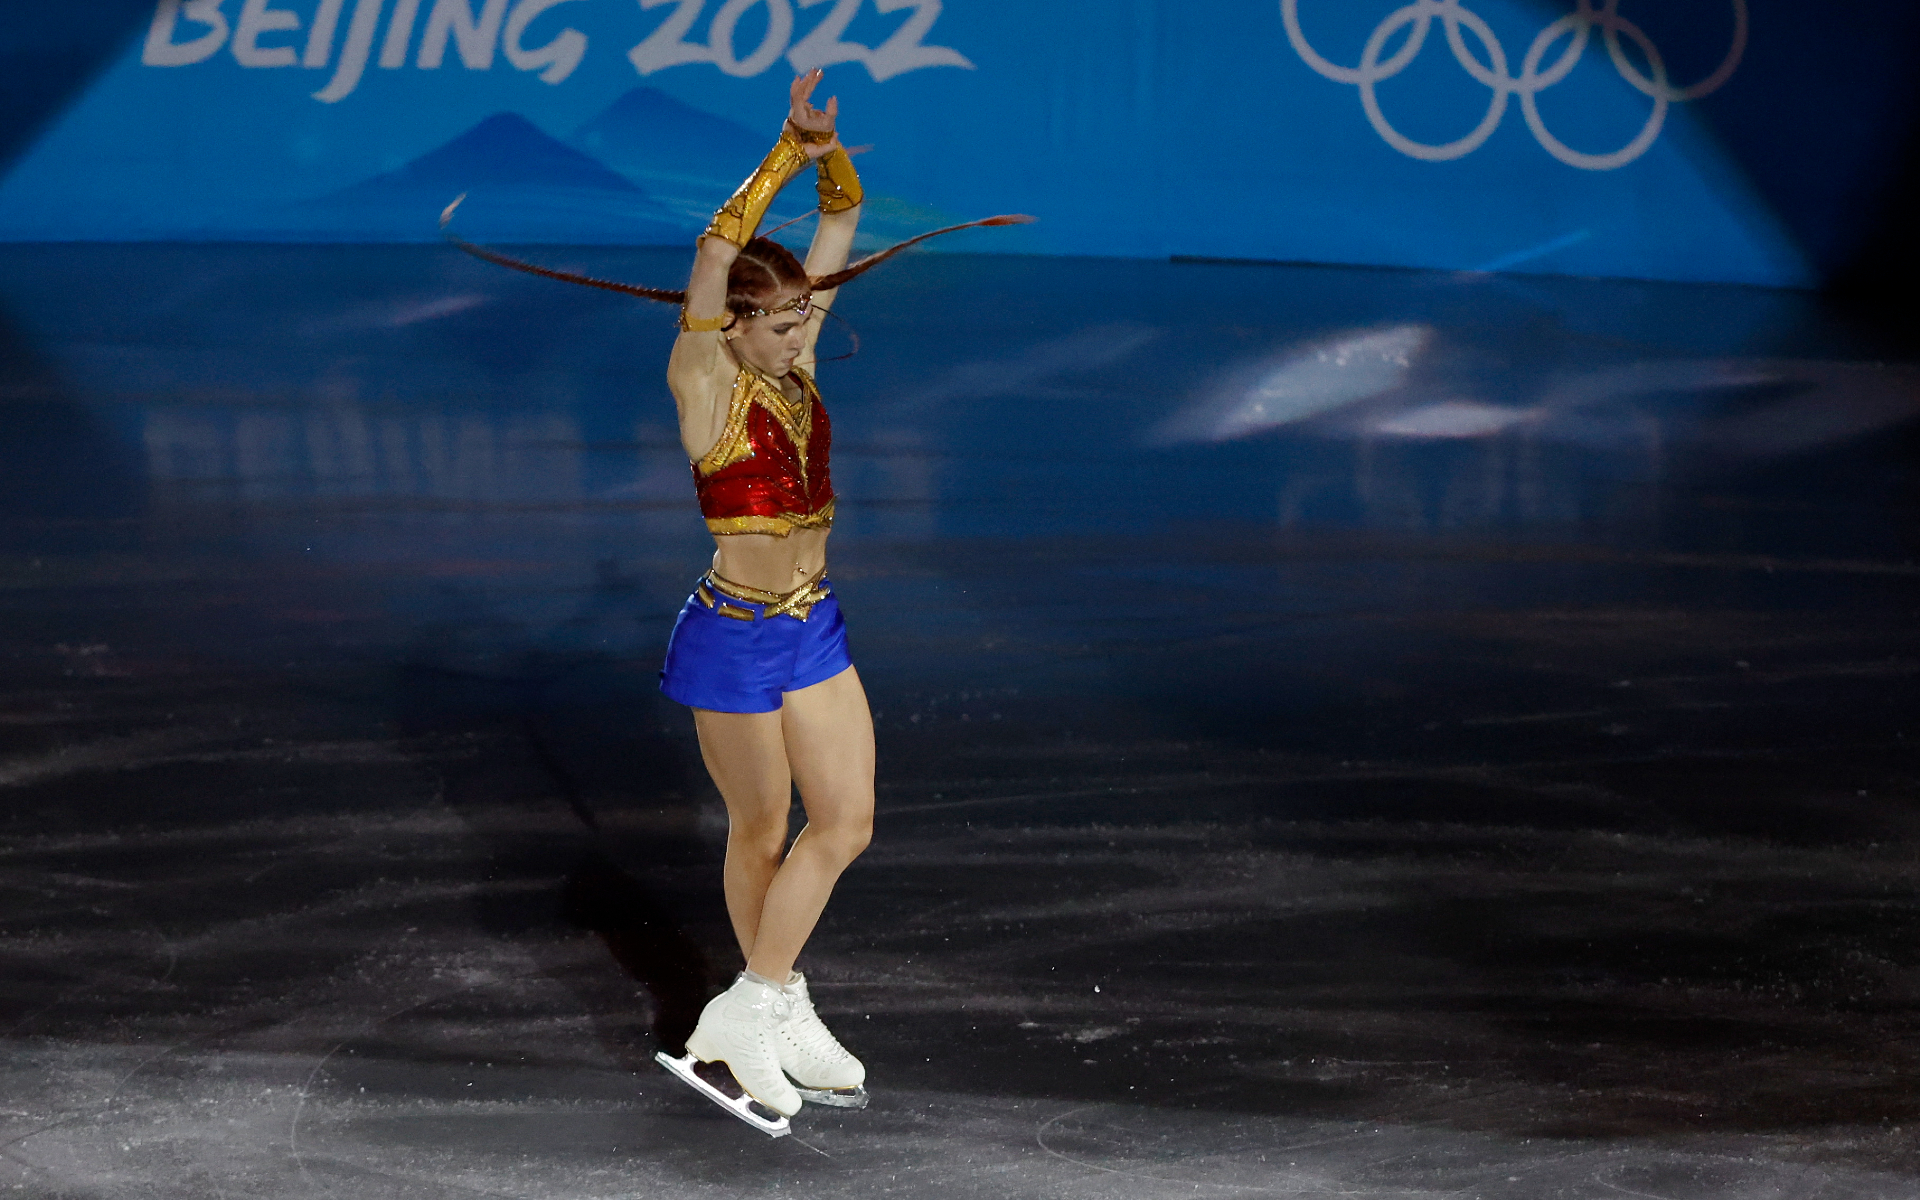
729,664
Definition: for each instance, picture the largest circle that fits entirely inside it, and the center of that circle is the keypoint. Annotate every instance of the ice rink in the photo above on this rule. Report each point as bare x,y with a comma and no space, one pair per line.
1355,733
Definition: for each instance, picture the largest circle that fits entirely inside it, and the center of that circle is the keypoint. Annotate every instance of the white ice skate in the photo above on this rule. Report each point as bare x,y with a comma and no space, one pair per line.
820,1065
739,1027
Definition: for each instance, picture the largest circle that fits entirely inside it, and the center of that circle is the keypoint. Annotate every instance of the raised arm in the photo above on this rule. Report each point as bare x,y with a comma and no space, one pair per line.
699,353
840,201
700,372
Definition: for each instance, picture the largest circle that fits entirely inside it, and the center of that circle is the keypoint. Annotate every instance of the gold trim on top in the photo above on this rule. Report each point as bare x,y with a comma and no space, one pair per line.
733,445
779,525
795,418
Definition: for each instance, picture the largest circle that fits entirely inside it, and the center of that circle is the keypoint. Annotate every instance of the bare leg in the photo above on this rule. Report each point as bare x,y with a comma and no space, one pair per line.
747,758
829,741
823,739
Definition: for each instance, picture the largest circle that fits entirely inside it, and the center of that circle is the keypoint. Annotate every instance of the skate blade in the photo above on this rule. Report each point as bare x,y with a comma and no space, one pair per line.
740,1106
853,1097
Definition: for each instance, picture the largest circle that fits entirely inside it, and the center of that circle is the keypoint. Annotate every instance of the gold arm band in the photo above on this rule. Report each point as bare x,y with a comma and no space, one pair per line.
739,217
811,137
839,184
704,324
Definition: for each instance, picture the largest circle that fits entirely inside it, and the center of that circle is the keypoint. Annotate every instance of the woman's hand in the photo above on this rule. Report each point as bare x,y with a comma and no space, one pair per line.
813,121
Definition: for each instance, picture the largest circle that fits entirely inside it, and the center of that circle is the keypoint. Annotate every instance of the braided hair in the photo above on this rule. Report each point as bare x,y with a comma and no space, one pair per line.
763,270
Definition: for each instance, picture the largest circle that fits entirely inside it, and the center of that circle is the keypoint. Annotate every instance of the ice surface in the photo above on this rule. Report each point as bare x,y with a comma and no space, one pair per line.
1502,816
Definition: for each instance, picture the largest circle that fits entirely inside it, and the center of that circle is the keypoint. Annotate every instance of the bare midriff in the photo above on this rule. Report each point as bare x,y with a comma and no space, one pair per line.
770,563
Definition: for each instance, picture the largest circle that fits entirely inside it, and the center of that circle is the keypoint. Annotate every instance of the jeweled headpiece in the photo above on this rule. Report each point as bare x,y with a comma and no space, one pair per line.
802,304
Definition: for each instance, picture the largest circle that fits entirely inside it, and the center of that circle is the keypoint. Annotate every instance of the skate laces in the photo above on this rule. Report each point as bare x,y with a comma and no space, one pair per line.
812,1036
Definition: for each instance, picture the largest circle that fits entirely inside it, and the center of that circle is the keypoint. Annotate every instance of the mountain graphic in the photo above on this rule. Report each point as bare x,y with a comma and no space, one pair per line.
521,185
688,159
691,160
647,132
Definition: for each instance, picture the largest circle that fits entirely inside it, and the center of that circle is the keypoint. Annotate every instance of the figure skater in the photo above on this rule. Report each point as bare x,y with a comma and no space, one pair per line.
759,652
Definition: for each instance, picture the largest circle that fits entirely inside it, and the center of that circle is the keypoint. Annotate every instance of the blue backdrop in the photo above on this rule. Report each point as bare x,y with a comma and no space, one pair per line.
1733,140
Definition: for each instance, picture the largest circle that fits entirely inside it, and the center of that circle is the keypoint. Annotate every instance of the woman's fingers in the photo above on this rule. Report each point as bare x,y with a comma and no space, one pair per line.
804,114
821,151
803,86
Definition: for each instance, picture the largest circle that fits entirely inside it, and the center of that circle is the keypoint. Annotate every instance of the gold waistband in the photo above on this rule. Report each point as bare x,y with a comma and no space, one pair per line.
797,603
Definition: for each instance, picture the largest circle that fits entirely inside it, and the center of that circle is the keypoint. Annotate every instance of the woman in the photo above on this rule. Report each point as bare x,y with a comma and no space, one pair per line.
759,652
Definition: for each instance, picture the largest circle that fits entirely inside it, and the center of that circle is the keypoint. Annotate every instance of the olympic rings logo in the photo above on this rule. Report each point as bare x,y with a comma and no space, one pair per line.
1576,28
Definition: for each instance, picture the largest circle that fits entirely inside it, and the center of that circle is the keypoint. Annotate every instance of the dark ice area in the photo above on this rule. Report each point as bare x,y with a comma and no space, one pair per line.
1343,733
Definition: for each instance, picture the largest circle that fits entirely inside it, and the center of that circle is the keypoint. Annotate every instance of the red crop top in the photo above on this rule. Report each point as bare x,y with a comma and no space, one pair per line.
768,471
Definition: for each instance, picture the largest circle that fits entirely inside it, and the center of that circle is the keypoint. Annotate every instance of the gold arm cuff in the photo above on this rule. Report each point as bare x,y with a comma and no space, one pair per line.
839,184
811,137
739,218
703,324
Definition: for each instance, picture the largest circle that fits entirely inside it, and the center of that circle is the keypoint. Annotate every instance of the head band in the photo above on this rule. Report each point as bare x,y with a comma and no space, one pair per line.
802,304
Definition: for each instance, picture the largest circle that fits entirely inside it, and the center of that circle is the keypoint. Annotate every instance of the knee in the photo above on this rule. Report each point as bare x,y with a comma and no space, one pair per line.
764,838
844,840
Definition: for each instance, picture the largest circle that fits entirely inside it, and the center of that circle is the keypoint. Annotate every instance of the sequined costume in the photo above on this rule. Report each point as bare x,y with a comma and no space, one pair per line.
768,472
736,648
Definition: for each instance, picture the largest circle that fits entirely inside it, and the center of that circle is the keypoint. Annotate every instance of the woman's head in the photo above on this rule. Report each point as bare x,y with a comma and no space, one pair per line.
769,295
